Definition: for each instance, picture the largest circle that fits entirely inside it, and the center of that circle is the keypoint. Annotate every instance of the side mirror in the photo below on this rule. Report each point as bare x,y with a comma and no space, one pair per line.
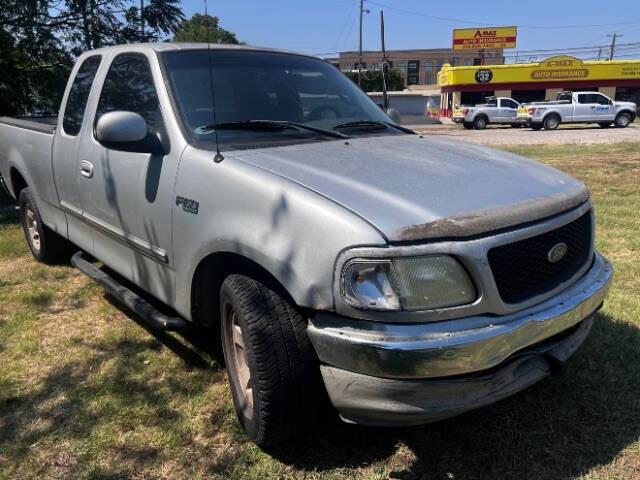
610,102
128,132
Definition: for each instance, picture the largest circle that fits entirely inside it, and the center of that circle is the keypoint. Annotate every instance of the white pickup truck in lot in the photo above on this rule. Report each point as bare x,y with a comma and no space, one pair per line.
499,110
320,249
577,107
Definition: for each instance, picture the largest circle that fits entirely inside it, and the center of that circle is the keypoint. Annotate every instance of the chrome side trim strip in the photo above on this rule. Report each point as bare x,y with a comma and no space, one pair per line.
136,243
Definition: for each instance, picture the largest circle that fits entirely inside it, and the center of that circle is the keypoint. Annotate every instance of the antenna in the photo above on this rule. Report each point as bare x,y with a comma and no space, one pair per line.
219,157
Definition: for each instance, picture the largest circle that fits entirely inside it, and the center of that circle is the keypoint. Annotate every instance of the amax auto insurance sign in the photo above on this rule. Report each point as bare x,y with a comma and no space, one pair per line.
485,37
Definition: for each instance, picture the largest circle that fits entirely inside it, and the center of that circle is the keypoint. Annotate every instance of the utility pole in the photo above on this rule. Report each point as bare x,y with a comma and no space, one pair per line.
385,65
142,20
612,48
362,12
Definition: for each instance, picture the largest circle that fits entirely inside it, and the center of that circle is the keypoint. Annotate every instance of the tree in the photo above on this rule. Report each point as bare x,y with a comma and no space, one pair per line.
40,38
195,30
372,80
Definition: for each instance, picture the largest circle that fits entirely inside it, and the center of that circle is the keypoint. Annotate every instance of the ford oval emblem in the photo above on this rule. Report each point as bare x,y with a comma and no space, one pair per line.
557,252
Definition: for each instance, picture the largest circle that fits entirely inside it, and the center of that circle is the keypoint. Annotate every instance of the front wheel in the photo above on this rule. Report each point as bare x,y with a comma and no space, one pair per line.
623,120
46,245
272,367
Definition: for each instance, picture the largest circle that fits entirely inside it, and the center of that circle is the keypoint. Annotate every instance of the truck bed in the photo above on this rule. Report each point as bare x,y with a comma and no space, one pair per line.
37,124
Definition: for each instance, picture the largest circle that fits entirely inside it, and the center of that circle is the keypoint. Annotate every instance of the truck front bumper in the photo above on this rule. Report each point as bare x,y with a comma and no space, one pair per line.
406,374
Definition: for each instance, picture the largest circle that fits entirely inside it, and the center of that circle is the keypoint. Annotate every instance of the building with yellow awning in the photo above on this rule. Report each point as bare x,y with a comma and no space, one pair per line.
531,82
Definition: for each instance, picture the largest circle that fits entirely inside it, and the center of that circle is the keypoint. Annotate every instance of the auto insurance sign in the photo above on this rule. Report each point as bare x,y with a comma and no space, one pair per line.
485,37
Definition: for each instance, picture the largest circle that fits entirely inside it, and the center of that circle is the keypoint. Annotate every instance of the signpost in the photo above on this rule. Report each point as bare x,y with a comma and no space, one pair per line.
484,38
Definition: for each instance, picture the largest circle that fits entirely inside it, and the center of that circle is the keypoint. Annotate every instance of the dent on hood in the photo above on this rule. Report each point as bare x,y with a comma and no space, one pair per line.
488,220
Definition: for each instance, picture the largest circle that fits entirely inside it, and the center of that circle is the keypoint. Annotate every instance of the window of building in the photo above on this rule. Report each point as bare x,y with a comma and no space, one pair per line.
347,67
78,95
129,86
430,73
475,98
528,96
413,72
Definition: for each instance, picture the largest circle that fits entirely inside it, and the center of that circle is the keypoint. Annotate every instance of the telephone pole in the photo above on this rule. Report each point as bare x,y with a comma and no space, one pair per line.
362,12
612,48
142,20
385,65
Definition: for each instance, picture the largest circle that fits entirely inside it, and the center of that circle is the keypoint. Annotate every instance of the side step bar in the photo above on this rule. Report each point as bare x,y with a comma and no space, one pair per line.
132,300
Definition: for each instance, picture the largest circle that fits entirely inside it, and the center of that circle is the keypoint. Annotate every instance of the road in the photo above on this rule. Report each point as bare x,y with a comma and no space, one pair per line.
566,134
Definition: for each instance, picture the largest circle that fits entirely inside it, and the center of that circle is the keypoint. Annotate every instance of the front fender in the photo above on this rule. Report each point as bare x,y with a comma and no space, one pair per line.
292,232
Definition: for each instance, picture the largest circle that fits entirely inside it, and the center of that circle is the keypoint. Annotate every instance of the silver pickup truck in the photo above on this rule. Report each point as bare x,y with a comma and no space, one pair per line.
577,107
260,196
497,110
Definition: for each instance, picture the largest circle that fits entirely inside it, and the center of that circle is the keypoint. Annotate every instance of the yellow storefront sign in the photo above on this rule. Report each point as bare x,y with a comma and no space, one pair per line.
485,37
561,67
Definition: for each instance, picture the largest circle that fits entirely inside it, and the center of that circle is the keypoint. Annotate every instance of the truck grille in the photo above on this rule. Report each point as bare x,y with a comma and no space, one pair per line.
522,269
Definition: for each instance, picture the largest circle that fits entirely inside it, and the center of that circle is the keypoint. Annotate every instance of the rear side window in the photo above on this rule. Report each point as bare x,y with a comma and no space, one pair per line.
78,95
129,87
509,104
593,98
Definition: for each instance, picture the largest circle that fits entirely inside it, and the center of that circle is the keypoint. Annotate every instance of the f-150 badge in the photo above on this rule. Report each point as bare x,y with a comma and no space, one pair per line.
188,205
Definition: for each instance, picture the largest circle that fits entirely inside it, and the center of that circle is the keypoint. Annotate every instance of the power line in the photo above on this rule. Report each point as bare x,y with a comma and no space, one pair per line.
476,23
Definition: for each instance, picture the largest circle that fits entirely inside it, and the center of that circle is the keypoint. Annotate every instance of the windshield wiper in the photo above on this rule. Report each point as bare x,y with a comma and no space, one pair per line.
374,124
268,125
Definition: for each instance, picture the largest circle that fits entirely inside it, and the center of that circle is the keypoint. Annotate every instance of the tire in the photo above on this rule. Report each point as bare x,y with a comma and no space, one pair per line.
604,124
551,122
536,127
623,120
480,123
272,367
46,245
467,125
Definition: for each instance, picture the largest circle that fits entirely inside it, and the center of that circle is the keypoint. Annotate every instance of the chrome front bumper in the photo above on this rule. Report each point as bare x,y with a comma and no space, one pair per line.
362,360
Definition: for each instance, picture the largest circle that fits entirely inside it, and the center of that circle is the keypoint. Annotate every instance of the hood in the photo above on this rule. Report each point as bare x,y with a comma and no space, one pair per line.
416,188
631,105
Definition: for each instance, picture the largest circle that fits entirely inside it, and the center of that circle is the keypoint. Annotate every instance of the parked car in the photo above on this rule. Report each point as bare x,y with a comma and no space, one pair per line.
265,198
498,110
577,107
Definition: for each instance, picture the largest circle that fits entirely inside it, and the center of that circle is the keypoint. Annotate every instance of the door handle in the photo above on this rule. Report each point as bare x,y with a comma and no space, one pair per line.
86,169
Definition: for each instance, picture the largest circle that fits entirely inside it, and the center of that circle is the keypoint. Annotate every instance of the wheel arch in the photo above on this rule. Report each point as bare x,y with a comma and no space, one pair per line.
17,182
629,111
207,280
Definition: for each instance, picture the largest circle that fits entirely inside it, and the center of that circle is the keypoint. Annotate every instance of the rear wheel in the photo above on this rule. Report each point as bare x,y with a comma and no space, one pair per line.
46,245
273,370
551,122
480,123
623,120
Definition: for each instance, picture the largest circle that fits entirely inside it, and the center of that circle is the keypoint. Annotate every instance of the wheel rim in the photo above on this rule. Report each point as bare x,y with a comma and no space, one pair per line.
481,124
237,353
623,121
552,123
31,223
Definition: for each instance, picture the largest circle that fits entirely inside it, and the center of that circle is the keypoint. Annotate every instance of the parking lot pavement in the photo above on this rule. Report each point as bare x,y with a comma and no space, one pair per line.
566,134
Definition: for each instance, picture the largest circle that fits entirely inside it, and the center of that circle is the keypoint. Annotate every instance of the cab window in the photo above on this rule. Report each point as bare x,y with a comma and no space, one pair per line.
78,95
129,87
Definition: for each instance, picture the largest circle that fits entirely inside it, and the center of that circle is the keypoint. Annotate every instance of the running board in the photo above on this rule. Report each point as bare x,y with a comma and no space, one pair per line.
132,300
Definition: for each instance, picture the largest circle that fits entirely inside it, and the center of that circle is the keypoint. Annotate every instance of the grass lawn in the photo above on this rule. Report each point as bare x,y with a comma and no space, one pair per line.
87,392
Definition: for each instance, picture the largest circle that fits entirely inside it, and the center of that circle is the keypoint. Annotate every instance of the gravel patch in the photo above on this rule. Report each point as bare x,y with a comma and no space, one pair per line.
565,135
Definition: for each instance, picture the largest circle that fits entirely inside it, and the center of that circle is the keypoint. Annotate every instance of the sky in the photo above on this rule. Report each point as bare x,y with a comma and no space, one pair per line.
327,26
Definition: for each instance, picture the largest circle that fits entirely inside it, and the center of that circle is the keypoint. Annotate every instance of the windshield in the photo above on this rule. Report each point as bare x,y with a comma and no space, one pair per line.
252,85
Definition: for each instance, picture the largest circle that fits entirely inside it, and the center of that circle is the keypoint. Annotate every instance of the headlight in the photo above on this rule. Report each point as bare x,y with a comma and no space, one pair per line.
415,283
438,281
367,284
